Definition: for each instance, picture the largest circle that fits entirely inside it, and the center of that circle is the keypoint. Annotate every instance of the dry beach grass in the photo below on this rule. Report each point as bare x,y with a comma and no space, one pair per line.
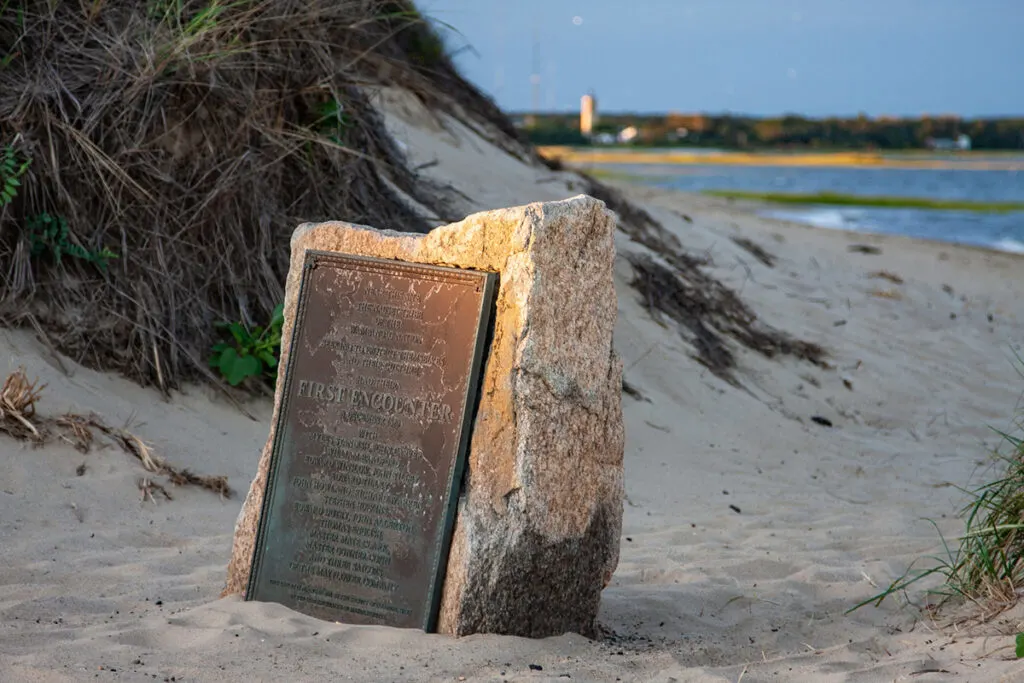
19,419
175,144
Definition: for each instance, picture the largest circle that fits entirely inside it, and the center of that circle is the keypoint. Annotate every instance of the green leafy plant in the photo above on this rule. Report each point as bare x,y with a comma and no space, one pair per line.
423,44
10,172
48,233
250,352
332,120
1020,646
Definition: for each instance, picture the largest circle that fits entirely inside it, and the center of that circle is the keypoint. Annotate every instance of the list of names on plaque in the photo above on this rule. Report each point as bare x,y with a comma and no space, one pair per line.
371,439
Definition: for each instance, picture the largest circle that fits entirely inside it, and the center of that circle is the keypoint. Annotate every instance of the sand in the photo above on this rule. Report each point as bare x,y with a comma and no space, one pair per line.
749,529
965,161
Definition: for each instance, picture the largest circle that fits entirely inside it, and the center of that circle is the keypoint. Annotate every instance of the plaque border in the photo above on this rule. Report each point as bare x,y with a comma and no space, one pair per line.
442,542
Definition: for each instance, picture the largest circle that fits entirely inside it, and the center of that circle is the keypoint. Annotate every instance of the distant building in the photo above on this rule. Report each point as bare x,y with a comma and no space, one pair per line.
588,114
628,134
962,142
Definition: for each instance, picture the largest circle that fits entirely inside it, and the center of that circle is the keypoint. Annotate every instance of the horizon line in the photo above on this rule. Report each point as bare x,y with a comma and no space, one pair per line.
743,115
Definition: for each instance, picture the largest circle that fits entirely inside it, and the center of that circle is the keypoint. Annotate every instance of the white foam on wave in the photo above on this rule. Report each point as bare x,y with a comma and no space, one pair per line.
1009,245
859,220
837,219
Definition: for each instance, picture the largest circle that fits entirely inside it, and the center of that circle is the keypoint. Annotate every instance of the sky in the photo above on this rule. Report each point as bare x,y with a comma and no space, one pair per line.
758,57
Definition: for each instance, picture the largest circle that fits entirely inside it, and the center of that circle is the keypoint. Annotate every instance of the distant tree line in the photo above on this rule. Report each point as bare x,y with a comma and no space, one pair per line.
797,132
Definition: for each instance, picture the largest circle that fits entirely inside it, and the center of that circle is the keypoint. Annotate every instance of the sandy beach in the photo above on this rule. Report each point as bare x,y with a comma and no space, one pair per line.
683,157
750,529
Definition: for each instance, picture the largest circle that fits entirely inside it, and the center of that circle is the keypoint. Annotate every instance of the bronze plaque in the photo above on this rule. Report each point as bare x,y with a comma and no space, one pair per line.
371,440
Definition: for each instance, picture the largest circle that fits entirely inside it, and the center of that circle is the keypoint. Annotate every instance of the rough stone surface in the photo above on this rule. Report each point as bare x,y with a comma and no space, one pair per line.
539,520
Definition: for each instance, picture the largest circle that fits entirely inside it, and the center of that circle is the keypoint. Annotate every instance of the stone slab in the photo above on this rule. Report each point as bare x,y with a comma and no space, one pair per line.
539,520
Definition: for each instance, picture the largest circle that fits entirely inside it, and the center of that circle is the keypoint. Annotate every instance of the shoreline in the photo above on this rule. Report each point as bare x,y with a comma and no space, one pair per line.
580,158
753,206
888,236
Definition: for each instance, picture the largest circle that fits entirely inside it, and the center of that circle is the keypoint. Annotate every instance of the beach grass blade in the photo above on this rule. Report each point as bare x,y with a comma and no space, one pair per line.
987,567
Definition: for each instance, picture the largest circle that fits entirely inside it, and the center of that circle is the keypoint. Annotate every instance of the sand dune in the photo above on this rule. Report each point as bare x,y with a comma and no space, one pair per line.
749,528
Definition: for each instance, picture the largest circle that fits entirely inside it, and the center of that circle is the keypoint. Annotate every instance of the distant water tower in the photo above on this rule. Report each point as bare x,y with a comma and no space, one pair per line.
588,113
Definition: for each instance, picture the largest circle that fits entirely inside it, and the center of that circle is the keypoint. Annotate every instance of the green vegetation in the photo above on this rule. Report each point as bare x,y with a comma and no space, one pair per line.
49,234
46,233
832,198
332,120
786,132
988,566
10,172
424,46
251,352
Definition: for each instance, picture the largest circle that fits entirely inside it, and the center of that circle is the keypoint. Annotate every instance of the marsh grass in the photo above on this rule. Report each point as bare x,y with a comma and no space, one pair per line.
837,199
986,564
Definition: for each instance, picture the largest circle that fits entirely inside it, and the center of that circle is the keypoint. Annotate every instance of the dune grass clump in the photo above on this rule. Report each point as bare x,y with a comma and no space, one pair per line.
993,547
174,147
986,567
18,398
837,199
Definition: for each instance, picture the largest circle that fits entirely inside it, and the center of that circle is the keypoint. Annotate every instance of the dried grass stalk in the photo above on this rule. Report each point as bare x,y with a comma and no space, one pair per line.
18,417
135,446
18,399
147,486
75,430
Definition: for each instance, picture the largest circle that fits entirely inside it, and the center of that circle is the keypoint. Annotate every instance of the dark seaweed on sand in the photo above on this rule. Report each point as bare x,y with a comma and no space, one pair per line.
675,285
708,312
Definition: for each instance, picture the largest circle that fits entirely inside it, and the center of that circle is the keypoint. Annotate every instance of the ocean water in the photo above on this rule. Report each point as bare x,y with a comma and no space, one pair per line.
1002,231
